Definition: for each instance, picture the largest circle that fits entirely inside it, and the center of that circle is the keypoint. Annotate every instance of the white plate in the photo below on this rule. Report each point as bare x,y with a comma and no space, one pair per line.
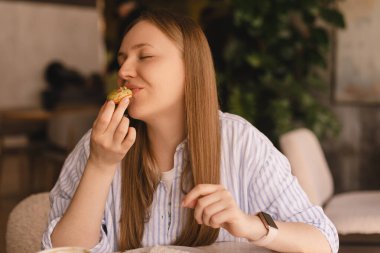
183,248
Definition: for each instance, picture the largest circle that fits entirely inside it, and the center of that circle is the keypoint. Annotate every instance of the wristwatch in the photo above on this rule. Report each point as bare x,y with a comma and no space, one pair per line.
271,227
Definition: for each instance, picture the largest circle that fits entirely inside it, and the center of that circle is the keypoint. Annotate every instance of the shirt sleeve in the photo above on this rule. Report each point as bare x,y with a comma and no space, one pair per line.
63,191
276,191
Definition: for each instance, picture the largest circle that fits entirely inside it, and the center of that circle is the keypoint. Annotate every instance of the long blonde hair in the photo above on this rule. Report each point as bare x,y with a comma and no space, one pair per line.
139,176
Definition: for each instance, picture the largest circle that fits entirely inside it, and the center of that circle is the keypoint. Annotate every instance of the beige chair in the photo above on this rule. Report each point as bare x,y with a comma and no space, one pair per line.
356,215
26,224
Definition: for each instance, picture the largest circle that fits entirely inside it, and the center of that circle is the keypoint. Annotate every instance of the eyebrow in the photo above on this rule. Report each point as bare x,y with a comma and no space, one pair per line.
137,46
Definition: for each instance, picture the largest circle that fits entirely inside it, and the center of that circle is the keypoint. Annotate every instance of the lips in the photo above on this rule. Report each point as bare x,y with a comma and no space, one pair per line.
135,88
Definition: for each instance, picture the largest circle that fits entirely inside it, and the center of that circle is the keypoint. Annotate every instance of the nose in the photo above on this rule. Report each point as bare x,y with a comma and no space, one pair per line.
127,70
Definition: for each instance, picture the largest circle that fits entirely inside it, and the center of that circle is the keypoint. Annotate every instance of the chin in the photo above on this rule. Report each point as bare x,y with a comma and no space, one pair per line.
145,116
136,114
133,114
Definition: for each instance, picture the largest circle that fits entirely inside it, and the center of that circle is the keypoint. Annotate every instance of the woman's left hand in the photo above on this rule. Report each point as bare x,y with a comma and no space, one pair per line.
216,207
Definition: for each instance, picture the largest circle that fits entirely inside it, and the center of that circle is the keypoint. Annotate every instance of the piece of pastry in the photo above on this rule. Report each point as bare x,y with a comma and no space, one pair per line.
118,94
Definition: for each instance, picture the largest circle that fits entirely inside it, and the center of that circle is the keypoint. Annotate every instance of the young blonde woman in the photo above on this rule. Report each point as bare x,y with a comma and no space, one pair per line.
178,171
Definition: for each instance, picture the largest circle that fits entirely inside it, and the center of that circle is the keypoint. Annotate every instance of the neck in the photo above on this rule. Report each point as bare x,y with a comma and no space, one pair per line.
165,134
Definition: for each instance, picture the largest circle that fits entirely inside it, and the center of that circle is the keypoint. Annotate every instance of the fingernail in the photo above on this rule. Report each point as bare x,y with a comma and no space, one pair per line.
183,203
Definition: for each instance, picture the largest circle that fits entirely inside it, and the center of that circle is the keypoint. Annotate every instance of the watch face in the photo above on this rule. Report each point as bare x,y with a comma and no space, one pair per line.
269,220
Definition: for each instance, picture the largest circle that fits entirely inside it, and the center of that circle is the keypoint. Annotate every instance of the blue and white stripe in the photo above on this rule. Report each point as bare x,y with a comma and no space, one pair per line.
252,169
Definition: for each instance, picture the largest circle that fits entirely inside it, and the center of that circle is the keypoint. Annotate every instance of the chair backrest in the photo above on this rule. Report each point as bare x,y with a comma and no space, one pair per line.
26,224
308,163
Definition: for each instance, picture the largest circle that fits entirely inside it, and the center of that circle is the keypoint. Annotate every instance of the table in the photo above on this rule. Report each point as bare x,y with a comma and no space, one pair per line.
29,114
22,130
16,121
221,247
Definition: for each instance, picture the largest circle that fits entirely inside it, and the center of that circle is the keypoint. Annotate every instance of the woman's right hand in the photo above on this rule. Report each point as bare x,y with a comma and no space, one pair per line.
111,136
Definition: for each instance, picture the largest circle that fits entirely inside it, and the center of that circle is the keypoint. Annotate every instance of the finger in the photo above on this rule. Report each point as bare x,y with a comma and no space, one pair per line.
212,210
118,115
198,191
121,130
104,106
101,110
104,117
130,139
221,218
203,203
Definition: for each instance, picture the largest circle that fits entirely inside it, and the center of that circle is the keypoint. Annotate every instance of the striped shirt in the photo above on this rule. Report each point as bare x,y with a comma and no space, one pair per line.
257,175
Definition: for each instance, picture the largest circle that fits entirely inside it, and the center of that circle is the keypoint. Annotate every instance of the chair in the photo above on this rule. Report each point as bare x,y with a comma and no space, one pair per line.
67,125
58,132
26,224
356,215
65,128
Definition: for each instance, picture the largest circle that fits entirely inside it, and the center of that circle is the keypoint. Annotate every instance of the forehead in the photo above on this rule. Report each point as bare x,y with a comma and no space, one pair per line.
146,32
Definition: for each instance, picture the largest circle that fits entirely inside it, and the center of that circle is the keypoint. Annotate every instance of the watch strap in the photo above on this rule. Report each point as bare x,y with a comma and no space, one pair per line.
271,227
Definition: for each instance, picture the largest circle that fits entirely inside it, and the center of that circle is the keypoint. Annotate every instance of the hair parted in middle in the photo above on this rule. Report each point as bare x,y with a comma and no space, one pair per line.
140,175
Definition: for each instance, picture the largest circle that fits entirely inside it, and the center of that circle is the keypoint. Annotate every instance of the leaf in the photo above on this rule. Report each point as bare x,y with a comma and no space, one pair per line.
320,37
333,17
269,55
316,58
254,60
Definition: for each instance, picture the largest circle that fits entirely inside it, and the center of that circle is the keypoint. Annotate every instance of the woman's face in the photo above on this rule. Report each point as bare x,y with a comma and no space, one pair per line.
151,65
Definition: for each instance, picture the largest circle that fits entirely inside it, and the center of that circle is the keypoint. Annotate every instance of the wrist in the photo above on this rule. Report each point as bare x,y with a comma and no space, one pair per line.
270,227
101,169
257,230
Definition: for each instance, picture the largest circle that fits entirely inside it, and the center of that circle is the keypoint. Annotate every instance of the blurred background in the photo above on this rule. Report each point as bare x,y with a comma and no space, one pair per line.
281,64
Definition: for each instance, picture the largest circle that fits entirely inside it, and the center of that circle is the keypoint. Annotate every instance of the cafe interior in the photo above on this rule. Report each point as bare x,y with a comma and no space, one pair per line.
306,74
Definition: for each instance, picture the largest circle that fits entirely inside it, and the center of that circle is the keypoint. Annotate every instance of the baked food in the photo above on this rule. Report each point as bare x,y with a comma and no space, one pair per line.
118,94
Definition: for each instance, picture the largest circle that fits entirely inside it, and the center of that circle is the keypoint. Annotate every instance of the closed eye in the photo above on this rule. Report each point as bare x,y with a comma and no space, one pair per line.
143,57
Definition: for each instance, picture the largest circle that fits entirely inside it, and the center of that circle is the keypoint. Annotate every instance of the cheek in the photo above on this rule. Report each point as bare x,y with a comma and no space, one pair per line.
165,88
174,78
170,88
164,72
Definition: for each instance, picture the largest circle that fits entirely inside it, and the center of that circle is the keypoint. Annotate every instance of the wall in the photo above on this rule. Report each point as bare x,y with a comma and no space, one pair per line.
357,56
354,157
32,35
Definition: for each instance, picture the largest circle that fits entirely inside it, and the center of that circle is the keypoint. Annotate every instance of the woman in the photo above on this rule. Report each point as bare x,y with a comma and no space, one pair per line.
121,188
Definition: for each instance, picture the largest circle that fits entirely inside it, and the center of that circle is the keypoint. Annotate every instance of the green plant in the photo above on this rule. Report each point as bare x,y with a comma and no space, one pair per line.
267,58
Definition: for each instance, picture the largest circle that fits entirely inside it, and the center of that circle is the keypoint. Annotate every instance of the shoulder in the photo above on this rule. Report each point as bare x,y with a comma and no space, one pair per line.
82,148
237,128
72,170
242,144
84,143
229,118
77,159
